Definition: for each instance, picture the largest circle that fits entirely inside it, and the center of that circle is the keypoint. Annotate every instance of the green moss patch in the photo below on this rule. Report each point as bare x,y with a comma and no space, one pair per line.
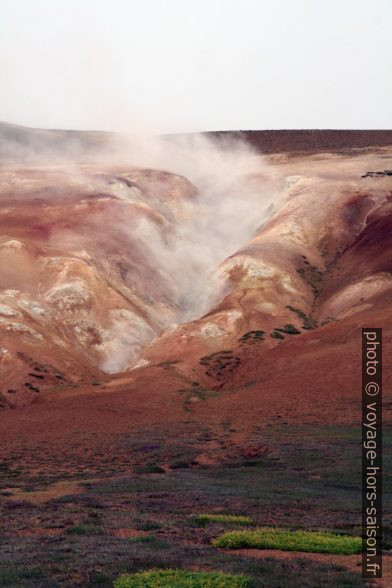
308,541
205,519
84,529
182,579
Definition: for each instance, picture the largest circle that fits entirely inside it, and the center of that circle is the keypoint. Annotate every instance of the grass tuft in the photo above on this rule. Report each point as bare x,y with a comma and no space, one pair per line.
149,540
149,469
205,519
84,529
147,525
182,579
308,541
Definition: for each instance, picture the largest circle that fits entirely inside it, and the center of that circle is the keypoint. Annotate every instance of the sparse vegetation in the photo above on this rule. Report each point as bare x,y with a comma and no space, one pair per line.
17,577
312,275
3,402
276,335
169,364
289,329
220,363
329,319
149,540
308,322
149,469
179,465
304,465
182,579
195,393
224,519
147,525
252,337
308,541
226,425
84,529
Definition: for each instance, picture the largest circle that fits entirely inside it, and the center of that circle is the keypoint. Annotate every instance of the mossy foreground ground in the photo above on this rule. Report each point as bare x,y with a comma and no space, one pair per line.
120,523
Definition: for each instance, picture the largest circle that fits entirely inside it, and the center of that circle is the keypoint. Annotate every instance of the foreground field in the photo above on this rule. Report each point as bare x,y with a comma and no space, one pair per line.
87,531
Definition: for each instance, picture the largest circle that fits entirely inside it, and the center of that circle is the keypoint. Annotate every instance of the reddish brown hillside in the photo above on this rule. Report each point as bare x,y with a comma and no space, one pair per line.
134,297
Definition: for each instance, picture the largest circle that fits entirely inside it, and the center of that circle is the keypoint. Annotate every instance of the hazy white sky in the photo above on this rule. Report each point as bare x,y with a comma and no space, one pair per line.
191,65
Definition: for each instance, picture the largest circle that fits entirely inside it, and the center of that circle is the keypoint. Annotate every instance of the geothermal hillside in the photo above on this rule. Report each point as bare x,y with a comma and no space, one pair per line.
210,261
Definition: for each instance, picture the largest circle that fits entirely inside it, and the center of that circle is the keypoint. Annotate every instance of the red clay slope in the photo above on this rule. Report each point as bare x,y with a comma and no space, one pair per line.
280,343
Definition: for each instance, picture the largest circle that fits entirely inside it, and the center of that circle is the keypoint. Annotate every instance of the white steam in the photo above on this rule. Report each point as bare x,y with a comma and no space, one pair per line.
192,201
232,203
